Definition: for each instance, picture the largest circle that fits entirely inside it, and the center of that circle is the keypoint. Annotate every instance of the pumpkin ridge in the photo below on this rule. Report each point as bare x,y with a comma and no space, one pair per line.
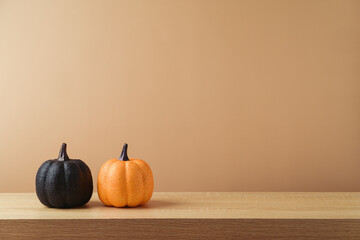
56,174
107,192
47,192
143,182
103,179
66,182
91,177
106,179
82,180
85,172
43,182
147,193
142,178
126,180
67,185
64,173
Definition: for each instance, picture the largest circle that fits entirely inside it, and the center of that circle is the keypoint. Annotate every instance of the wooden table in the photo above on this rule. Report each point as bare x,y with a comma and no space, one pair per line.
189,215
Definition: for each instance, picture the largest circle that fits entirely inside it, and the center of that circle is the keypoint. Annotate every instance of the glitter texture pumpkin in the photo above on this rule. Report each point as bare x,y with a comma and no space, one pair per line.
125,182
64,182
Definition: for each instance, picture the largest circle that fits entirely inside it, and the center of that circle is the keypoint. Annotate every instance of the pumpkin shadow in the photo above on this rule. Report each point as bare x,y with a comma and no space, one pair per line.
94,204
151,204
71,208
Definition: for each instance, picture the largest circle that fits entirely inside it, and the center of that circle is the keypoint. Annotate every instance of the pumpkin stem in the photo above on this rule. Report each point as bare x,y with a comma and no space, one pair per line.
124,156
63,154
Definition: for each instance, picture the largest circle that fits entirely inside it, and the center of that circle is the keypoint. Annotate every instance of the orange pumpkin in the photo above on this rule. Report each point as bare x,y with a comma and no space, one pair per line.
125,182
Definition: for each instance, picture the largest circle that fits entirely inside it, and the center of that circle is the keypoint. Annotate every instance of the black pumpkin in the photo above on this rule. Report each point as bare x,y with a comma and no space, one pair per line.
64,182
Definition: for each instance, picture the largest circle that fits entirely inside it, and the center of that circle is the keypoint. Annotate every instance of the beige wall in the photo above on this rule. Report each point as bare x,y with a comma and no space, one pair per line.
214,95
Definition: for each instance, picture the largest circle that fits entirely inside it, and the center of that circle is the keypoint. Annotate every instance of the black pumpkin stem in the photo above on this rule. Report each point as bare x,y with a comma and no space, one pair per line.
124,156
63,154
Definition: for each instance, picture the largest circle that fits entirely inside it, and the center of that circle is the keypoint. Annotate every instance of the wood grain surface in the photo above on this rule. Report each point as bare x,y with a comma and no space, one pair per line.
189,216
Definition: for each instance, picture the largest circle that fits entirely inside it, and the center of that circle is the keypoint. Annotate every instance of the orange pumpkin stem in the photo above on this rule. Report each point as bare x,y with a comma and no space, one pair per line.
63,154
124,156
